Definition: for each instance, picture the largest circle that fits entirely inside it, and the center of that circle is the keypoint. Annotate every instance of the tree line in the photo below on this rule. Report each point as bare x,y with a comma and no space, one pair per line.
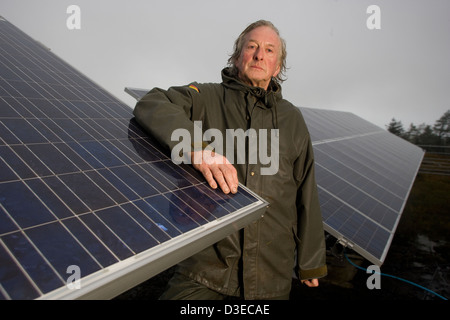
424,134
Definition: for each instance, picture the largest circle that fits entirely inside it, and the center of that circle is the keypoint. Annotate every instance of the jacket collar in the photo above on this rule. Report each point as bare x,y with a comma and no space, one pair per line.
269,97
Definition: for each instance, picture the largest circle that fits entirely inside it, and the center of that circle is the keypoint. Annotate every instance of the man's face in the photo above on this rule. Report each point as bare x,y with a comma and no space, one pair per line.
259,59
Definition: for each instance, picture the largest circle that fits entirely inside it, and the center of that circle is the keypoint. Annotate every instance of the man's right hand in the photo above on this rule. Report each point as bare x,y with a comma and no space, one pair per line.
216,169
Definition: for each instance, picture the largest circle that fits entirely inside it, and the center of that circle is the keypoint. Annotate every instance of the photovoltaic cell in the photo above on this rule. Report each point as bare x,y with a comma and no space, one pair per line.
364,175
81,185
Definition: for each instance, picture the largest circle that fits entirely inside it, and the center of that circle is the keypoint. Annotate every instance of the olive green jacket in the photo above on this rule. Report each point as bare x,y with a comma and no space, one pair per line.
256,262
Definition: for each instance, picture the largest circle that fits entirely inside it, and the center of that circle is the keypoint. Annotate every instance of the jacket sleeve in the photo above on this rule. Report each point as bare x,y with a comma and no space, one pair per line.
161,112
311,250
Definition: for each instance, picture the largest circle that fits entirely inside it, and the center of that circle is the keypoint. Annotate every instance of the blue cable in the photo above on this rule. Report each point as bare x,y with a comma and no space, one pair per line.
388,275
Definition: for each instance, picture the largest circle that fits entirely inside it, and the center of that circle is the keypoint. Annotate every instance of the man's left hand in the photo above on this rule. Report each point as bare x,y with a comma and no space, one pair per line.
311,282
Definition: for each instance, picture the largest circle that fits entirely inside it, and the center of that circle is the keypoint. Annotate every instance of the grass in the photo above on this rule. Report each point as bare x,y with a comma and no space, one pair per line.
420,251
428,208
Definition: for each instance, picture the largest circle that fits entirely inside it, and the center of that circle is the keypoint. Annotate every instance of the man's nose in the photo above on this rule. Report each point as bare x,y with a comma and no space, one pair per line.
259,54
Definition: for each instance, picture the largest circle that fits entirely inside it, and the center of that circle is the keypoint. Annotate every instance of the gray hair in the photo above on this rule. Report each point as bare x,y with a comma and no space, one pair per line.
239,43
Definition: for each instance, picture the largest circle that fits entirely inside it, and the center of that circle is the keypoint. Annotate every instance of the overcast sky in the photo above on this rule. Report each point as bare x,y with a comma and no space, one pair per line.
335,61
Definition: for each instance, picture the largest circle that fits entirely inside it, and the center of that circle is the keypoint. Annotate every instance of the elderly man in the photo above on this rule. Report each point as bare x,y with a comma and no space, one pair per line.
257,261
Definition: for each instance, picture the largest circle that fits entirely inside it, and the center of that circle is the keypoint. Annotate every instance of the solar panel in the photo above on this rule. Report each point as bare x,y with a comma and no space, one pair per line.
84,191
364,175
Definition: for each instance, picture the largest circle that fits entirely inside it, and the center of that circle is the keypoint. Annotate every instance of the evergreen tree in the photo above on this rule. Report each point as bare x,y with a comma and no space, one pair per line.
396,127
442,128
427,136
412,135
424,134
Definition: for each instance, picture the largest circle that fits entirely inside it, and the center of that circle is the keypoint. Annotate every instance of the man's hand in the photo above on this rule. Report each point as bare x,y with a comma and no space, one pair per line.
216,169
311,282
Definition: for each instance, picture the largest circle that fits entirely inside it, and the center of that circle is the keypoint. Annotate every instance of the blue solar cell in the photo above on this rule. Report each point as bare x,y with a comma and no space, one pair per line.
103,184
14,282
31,160
44,130
5,171
90,240
57,187
106,236
6,223
32,261
84,154
25,213
142,187
7,111
84,188
146,206
148,224
51,201
16,164
61,249
190,208
23,131
127,230
52,158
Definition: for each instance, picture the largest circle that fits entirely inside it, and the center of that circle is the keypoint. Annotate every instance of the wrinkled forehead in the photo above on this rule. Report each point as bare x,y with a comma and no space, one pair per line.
264,35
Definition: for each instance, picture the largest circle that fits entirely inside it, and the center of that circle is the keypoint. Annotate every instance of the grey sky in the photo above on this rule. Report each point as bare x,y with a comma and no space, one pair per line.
335,61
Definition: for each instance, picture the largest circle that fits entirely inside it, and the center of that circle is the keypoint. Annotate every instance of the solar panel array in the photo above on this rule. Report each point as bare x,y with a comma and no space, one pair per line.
84,191
364,175
82,185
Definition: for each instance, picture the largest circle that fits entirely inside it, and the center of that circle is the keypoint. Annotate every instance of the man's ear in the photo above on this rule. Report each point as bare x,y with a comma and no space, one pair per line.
277,71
